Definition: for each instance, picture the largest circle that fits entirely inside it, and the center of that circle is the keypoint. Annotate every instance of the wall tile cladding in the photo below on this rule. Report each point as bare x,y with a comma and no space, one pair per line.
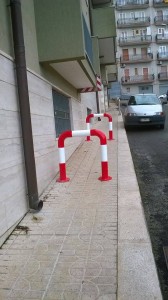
43,125
13,200
12,171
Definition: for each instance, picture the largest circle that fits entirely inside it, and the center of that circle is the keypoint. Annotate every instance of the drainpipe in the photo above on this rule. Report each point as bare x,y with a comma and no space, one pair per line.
24,105
91,29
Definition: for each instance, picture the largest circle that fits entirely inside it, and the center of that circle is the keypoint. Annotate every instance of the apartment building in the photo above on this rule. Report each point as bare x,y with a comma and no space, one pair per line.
65,46
142,45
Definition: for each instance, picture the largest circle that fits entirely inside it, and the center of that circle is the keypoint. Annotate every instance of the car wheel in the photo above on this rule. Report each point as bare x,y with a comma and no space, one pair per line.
162,126
126,127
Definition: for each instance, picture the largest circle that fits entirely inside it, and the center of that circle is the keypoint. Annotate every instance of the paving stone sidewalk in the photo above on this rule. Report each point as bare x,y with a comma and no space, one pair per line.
79,246
70,248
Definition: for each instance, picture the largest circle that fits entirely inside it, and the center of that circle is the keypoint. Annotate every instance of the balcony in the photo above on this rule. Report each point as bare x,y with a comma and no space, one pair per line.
135,40
132,4
65,43
159,3
132,59
160,20
112,77
135,22
100,3
162,56
163,76
127,80
104,27
161,38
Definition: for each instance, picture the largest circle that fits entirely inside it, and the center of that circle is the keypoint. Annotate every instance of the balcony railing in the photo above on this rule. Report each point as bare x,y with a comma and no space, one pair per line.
161,38
163,76
136,58
160,20
132,4
162,56
159,3
135,40
146,78
88,42
136,22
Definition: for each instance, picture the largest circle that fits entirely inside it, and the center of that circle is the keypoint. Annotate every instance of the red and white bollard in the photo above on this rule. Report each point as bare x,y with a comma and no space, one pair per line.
88,118
103,143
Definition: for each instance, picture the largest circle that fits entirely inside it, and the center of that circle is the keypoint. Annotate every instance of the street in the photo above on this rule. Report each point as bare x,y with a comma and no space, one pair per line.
149,149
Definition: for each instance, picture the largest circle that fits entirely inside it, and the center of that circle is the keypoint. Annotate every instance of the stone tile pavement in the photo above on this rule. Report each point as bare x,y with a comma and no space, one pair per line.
90,239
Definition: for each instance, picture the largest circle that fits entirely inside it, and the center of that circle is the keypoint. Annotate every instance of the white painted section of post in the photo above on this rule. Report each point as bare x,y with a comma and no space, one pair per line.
103,152
61,155
88,126
98,115
110,126
80,132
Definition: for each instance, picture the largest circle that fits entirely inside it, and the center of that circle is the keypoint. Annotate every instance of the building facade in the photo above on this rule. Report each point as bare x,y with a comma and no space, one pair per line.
142,45
62,42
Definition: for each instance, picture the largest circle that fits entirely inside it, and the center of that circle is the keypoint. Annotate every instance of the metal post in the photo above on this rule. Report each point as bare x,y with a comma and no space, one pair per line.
98,107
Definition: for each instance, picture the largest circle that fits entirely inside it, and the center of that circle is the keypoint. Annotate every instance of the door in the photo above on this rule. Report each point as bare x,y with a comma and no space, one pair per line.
159,15
161,31
145,73
134,57
136,71
126,73
140,15
122,18
144,52
61,113
163,72
125,54
162,51
123,36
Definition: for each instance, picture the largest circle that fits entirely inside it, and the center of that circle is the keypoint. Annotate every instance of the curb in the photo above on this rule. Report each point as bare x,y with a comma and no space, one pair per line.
137,274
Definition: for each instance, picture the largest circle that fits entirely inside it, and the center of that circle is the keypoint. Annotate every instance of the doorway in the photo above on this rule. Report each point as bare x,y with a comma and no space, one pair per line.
61,113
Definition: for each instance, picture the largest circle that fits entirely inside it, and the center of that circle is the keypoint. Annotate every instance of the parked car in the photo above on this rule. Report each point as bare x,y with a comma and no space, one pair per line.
163,99
144,109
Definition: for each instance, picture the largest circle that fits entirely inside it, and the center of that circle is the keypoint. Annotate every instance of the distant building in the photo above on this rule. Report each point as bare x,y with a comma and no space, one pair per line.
142,45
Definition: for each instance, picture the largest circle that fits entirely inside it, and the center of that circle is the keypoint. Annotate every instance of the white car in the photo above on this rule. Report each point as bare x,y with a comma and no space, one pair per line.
163,98
144,109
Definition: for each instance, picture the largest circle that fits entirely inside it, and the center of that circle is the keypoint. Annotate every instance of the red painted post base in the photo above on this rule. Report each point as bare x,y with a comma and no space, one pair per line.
63,180
105,176
88,139
111,136
101,178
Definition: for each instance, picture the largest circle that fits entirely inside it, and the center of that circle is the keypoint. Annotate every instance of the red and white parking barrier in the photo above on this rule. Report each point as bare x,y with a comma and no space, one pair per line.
88,118
92,132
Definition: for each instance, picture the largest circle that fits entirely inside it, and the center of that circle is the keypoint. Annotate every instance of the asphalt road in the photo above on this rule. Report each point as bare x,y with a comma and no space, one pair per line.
149,148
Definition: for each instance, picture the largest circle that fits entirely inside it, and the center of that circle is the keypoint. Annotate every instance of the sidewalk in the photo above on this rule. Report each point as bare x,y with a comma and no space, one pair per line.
90,240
